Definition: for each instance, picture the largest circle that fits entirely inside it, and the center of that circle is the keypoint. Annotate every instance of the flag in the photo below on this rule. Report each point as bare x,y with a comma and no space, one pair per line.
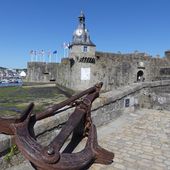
55,52
42,52
49,53
35,52
65,45
31,52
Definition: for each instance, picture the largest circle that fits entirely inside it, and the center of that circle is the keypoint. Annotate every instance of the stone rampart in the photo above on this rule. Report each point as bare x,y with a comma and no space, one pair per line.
114,69
50,72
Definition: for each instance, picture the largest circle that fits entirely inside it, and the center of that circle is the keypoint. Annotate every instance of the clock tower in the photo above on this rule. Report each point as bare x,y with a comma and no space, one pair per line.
81,45
82,56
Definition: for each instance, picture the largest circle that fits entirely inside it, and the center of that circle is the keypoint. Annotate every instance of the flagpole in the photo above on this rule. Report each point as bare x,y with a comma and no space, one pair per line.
42,55
31,53
35,54
32,59
50,58
67,52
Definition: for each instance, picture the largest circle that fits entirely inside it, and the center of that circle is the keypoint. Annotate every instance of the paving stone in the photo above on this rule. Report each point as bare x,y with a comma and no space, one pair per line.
119,166
167,162
148,157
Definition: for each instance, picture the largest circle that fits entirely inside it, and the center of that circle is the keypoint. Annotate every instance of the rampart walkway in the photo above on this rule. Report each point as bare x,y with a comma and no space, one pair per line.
140,141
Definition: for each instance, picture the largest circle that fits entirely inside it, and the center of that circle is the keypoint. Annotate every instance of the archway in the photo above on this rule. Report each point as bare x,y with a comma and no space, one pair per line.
140,76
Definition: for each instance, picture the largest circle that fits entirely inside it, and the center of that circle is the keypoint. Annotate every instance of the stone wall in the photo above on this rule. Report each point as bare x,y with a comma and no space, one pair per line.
156,98
158,64
115,70
76,52
46,72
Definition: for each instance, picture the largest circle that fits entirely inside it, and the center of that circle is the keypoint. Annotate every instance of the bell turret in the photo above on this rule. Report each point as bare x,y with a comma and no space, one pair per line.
81,35
82,20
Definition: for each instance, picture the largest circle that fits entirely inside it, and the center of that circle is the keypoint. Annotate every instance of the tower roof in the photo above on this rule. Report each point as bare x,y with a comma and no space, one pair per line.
81,34
82,15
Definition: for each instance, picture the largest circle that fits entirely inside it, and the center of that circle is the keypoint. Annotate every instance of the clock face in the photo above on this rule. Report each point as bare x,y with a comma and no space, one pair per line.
79,32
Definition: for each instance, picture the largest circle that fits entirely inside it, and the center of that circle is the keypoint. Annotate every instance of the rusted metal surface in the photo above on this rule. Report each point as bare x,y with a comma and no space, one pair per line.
79,124
6,122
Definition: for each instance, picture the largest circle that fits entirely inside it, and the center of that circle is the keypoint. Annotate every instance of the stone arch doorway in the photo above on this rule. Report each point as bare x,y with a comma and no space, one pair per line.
140,76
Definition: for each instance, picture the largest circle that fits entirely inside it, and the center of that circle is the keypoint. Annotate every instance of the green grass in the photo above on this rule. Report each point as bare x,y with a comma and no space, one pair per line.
19,98
13,151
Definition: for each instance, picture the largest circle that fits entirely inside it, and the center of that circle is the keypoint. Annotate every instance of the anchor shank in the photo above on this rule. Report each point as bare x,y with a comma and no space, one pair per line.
70,125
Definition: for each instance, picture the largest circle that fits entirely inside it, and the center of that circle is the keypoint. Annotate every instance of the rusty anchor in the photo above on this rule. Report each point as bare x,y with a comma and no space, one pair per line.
79,124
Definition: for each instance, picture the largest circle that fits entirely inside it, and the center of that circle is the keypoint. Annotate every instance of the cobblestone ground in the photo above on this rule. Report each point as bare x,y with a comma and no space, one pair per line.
140,141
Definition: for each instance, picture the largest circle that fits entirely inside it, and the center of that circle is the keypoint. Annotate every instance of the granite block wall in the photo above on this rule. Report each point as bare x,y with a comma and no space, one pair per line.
114,70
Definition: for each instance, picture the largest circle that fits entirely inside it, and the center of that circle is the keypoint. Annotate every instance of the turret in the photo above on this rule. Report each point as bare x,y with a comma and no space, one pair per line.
167,54
81,36
82,56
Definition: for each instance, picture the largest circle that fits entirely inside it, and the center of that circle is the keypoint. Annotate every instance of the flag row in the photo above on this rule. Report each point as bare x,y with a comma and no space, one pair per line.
42,52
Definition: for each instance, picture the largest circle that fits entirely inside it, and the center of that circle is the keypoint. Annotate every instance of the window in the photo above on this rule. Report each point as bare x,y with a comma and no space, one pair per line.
85,49
127,102
77,58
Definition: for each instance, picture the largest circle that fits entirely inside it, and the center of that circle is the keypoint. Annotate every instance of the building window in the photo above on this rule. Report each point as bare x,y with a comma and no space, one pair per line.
127,102
77,58
85,49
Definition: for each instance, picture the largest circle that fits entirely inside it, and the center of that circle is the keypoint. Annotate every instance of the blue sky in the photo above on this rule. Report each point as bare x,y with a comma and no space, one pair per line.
114,25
